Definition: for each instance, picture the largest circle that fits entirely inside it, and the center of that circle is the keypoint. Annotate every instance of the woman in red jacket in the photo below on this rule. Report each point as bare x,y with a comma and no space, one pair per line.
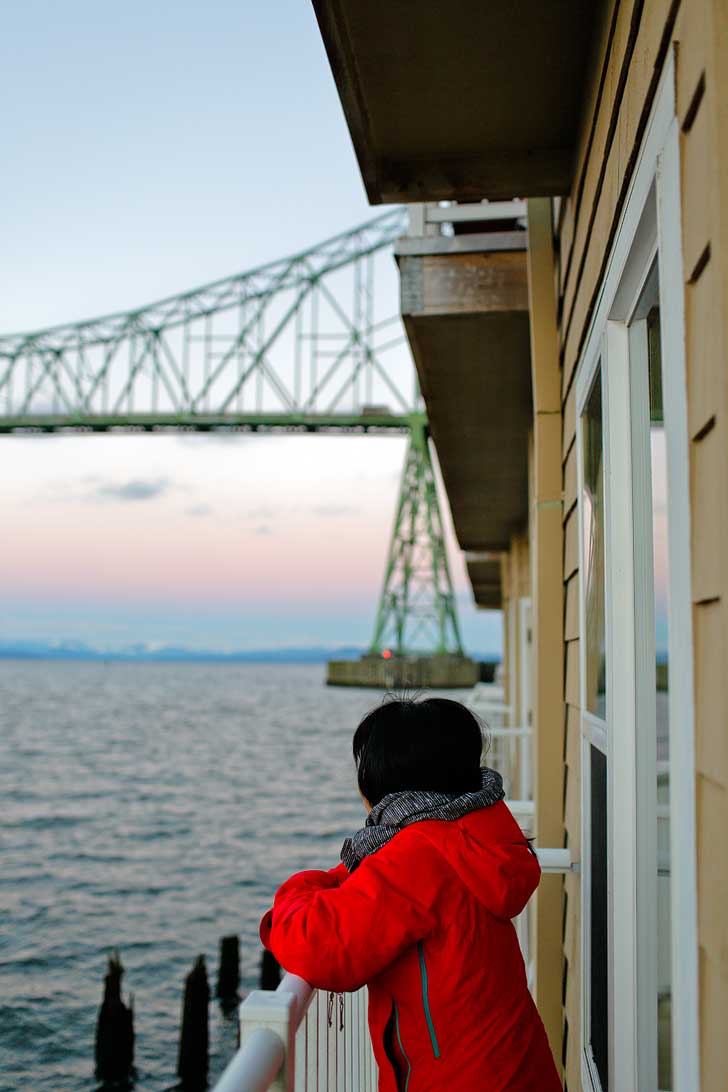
420,911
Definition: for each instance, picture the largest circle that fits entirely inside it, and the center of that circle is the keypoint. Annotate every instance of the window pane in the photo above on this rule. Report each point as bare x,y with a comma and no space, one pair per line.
598,962
658,470
593,532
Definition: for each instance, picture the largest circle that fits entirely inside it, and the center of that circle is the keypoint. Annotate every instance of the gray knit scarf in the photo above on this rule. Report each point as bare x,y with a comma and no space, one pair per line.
399,809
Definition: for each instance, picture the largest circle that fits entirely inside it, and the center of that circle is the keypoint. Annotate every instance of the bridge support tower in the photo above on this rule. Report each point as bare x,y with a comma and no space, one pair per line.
416,639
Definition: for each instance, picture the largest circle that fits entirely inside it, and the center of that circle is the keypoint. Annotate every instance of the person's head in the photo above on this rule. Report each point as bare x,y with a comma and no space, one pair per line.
433,744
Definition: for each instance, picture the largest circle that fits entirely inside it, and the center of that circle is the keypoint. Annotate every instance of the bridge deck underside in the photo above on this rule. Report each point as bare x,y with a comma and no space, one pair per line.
334,424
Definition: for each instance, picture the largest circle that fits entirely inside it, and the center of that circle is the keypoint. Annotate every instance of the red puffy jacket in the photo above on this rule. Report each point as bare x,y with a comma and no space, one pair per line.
425,922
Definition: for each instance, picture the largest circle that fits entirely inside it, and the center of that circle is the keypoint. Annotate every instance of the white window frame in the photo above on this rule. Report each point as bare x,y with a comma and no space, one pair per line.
650,225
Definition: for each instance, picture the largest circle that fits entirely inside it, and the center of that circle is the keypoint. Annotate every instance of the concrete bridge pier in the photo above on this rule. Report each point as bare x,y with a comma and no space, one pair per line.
448,671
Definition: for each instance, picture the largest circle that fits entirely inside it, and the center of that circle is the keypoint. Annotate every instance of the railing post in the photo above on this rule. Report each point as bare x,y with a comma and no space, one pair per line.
272,1011
416,226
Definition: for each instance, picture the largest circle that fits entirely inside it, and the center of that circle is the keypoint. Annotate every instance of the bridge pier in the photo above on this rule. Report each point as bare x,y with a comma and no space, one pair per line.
439,672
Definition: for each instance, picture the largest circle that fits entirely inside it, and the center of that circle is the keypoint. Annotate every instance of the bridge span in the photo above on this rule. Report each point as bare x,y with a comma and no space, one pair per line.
309,343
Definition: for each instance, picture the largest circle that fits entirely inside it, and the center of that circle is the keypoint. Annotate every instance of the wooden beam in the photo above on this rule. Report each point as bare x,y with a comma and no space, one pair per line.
463,283
495,173
547,609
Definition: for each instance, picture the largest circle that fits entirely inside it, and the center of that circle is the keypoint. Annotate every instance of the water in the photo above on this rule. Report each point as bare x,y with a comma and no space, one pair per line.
154,809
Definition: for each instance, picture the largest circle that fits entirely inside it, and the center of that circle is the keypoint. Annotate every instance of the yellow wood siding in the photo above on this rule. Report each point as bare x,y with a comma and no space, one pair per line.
626,69
705,381
636,82
709,463
570,480
572,673
546,537
571,609
702,94
571,545
569,419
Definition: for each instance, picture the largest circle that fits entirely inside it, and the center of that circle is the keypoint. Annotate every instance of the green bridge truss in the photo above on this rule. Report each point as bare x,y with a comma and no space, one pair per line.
303,344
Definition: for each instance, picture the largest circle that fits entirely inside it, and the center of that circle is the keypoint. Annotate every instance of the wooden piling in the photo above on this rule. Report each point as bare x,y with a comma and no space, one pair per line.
194,1042
114,1028
228,974
270,971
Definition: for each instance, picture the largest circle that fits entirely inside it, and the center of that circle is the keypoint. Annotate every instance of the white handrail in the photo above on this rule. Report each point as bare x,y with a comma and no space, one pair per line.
491,706
255,1066
269,1020
302,992
555,860
298,1039
509,733
520,808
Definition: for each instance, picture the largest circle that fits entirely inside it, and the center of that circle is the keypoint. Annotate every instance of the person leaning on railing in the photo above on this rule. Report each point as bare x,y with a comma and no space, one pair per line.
420,911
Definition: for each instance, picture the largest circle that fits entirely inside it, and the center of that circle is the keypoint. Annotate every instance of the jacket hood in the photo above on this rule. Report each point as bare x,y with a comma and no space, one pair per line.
401,809
491,856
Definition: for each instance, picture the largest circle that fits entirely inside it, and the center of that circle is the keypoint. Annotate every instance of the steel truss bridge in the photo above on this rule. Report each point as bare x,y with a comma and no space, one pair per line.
306,343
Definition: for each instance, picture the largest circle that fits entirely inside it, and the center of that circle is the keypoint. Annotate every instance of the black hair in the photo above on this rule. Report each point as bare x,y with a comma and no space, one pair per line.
433,744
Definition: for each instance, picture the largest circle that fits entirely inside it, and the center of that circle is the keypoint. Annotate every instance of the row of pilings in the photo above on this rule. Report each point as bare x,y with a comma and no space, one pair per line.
115,1025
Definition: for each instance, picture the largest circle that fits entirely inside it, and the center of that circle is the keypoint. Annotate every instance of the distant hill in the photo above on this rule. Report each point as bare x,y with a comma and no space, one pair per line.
141,653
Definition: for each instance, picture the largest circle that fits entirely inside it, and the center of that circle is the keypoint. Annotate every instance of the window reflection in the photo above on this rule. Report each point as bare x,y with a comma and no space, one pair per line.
592,529
593,532
658,468
599,917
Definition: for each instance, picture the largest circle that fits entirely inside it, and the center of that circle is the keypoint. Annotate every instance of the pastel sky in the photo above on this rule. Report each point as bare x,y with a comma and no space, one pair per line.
210,542
150,149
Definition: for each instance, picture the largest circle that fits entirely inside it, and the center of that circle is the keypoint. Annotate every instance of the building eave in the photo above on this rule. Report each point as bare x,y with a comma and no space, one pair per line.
464,101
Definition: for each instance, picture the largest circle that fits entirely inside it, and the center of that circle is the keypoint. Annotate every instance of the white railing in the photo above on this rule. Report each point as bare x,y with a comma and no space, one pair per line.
509,746
510,753
552,861
299,1039
437,218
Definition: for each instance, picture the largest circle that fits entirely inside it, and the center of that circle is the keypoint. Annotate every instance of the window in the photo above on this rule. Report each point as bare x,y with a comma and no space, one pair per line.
594,752
593,549
638,904
658,466
599,916
649,457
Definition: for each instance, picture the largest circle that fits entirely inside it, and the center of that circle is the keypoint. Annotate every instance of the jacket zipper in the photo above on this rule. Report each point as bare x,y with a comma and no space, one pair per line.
426,1001
399,1043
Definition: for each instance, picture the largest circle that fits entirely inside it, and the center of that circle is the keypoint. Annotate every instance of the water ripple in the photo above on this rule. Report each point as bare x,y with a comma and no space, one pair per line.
152,808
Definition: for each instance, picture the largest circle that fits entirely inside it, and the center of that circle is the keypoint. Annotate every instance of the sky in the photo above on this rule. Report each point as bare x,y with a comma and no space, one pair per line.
148,150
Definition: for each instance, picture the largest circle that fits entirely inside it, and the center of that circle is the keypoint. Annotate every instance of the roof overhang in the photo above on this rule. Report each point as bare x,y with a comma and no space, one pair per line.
466,316
462,100
484,570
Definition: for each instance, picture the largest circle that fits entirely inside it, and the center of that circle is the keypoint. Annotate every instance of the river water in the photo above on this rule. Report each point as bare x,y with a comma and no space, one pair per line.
153,809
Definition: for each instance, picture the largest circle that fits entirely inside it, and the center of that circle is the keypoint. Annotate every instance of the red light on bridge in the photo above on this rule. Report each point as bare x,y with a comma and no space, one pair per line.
387,654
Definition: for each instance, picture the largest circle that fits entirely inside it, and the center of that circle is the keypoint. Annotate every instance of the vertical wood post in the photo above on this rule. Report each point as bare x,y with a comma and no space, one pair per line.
194,1040
547,609
228,974
115,1029
270,971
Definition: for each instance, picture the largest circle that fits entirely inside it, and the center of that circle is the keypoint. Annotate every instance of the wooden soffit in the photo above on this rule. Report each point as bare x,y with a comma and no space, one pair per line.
462,100
466,317
484,571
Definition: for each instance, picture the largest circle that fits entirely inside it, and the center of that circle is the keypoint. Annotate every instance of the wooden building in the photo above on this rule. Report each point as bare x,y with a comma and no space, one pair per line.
584,449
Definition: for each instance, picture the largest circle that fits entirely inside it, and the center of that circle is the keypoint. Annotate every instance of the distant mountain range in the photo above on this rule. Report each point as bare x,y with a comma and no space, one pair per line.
143,653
